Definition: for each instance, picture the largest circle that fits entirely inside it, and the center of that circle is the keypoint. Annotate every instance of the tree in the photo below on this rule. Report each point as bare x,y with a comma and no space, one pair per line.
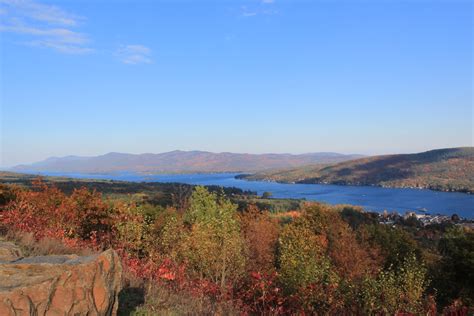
203,207
169,233
395,290
181,196
455,217
261,234
395,244
214,247
350,257
302,260
356,217
266,195
322,262
7,194
133,231
455,276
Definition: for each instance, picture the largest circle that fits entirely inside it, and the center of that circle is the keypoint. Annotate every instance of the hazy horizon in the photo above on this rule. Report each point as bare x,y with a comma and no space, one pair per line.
259,76
216,152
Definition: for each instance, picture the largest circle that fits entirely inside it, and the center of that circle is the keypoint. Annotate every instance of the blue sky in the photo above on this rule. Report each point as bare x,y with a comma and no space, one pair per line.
370,77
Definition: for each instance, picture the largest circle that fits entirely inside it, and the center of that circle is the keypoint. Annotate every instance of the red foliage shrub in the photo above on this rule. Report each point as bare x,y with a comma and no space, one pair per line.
78,219
457,308
261,295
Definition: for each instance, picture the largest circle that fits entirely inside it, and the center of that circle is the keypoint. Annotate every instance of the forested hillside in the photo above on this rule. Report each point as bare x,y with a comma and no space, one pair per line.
443,169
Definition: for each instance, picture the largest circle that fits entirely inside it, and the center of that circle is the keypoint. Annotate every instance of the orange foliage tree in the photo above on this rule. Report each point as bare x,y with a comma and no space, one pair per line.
261,234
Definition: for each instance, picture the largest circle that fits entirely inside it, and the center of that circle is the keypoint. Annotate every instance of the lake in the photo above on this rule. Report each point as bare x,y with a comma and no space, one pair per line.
370,198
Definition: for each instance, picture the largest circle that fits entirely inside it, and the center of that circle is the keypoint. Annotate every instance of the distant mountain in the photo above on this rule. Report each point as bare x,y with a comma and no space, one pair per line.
449,169
179,162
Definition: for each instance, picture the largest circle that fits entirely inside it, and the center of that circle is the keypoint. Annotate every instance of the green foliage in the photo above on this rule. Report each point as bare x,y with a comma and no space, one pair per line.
214,248
302,260
204,207
133,230
356,217
395,243
170,236
395,290
266,195
151,212
7,194
272,205
455,273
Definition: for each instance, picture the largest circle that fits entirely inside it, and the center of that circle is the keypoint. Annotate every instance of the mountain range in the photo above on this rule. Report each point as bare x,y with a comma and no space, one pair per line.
181,162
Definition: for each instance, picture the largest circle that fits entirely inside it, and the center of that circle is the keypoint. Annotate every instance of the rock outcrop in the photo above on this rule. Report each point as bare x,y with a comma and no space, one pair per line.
58,285
9,252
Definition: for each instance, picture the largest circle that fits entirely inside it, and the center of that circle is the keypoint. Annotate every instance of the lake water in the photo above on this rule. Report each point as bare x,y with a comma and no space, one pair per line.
370,198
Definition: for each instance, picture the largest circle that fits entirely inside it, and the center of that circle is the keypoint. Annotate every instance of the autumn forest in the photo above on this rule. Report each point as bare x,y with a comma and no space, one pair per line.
202,253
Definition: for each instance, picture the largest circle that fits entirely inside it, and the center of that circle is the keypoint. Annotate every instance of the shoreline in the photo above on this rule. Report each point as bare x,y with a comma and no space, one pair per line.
244,177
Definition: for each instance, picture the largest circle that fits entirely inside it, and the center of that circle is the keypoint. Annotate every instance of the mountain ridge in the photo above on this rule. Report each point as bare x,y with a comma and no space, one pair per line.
180,161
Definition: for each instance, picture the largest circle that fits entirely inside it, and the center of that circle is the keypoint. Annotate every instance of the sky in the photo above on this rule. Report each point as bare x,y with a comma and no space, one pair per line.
368,77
